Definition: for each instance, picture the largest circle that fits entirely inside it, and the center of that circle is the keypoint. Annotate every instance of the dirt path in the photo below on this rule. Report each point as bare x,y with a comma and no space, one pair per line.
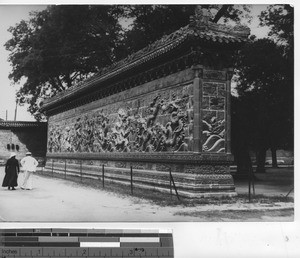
57,200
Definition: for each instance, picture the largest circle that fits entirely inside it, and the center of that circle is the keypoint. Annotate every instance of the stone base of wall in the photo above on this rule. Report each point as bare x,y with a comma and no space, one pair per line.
191,180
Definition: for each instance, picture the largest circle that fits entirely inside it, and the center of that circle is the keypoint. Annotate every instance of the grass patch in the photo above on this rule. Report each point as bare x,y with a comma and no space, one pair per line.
239,215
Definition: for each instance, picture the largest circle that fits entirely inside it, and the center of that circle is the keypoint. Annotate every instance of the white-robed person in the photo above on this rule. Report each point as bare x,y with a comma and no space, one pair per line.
29,165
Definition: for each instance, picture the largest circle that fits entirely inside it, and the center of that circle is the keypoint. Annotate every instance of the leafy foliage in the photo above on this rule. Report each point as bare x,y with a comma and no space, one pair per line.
280,20
260,65
60,46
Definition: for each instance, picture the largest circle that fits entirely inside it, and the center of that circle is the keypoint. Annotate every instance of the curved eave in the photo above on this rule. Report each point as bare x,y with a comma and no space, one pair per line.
98,79
147,57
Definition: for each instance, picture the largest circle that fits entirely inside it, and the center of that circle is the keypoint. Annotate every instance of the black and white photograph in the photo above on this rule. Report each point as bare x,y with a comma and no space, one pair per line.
148,129
147,113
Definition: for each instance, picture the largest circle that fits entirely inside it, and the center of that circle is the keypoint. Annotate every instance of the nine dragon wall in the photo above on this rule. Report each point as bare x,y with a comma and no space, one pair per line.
154,117
151,129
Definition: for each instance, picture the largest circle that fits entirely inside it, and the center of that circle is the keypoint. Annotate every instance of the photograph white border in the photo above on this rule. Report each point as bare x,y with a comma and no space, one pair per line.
213,239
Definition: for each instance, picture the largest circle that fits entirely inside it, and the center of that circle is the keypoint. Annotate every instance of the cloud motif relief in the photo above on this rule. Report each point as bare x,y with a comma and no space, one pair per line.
213,134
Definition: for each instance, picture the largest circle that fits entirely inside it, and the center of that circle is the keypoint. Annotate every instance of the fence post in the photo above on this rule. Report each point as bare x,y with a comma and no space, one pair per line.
289,192
81,170
170,182
103,175
65,168
175,188
52,166
253,179
131,183
250,178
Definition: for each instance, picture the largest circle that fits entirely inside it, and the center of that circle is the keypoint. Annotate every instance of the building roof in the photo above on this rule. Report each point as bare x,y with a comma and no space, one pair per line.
20,124
200,28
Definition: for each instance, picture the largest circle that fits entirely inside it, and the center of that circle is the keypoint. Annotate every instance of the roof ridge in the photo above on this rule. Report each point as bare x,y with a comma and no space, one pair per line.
118,65
199,26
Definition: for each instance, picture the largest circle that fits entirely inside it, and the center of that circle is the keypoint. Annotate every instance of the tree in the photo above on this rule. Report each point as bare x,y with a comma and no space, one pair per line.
265,90
242,126
59,47
264,78
280,20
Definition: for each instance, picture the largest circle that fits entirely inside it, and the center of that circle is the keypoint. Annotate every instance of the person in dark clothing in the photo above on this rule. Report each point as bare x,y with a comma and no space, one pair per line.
12,170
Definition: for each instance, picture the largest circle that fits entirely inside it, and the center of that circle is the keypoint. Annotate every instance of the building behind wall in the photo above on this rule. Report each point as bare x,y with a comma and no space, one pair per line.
162,110
21,137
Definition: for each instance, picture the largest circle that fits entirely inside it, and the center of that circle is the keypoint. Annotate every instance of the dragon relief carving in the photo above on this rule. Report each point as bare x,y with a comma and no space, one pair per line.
213,121
160,126
213,134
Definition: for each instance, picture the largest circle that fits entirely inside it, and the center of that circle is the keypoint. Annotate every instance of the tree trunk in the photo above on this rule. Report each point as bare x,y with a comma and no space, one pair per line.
261,160
274,157
241,166
242,161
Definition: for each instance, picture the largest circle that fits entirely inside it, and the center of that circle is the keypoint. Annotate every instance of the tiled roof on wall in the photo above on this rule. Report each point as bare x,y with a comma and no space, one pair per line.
199,29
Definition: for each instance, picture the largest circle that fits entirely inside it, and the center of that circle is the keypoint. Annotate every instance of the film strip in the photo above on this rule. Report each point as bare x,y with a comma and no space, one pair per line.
109,243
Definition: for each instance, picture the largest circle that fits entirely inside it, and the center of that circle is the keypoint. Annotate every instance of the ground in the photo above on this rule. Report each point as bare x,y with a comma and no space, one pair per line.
59,200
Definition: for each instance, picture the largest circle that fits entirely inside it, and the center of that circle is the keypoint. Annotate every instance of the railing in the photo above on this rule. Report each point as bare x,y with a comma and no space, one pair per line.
172,181
251,179
102,177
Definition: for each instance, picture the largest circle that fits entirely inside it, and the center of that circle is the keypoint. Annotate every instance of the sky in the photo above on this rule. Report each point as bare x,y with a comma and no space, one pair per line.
10,15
